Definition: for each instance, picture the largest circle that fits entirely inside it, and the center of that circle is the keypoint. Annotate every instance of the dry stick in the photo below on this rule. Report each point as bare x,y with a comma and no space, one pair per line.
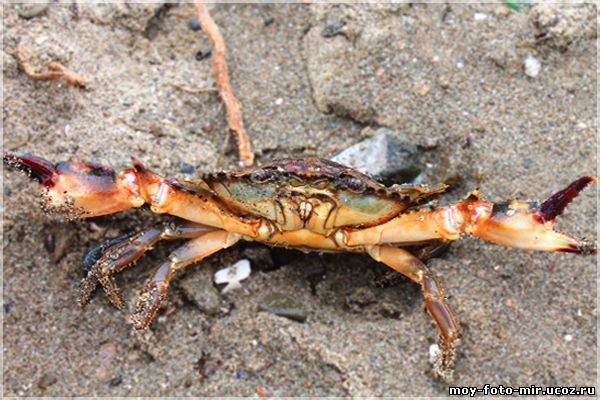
221,77
57,71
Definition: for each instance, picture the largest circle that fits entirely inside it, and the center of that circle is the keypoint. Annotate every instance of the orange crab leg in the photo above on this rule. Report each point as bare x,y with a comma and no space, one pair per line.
519,224
435,301
193,251
191,202
83,190
122,252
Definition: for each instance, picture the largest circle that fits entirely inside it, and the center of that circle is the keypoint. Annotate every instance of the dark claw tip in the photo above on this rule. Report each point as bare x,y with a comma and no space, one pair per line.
37,168
556,203
583,248
138,165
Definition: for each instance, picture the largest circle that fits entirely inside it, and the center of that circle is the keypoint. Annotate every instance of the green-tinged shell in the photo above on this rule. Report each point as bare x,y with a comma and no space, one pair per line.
338,195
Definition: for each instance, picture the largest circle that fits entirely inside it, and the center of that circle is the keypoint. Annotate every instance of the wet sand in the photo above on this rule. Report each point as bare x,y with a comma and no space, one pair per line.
312,81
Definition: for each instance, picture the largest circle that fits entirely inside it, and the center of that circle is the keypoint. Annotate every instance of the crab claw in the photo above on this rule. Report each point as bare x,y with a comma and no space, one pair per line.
79,189
528,225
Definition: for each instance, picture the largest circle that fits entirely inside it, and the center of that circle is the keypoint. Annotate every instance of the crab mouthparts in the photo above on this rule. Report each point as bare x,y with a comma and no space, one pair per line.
37,168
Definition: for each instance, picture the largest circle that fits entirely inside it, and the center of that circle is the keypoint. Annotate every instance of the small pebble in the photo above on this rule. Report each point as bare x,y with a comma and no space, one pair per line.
532,66
284,306
116,381
106,355
201,55
479,16
278,101
334,23
444,83
186,168
568,338
421,89
268,20
28,11
48,379
261,391
194,24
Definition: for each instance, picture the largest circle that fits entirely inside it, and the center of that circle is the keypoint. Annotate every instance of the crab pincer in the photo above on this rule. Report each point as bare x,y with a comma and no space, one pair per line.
528,224
79,189
520,224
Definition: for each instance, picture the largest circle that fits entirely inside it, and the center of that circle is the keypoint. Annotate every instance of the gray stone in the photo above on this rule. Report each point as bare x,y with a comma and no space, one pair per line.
388,155
284,306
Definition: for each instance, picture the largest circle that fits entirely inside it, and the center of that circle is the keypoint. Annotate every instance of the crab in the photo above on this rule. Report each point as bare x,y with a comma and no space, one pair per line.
309,204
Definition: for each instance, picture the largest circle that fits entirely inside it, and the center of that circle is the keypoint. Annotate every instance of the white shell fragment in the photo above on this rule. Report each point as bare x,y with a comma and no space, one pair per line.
434,351
532,66
233,275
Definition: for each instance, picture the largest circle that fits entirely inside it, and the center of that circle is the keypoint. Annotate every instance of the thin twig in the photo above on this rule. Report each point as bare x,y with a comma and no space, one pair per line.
57,71
221,77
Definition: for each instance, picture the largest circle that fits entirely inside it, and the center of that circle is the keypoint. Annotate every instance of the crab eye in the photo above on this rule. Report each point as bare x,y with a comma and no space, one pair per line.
354,184
296,181
259,175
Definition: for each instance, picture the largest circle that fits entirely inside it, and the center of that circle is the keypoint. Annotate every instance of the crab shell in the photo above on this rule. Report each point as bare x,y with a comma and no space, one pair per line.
313,195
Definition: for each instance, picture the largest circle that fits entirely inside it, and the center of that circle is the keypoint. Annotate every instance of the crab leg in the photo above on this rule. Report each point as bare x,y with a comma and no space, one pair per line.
193,251
520,224
124,252
435,302
83,190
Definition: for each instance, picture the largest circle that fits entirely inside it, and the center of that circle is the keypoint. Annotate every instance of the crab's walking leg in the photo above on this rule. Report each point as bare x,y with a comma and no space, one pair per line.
435,302
193,251
125,252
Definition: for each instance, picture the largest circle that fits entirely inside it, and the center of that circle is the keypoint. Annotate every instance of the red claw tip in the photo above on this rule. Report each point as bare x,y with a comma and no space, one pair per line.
38,168
556,203
584,248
